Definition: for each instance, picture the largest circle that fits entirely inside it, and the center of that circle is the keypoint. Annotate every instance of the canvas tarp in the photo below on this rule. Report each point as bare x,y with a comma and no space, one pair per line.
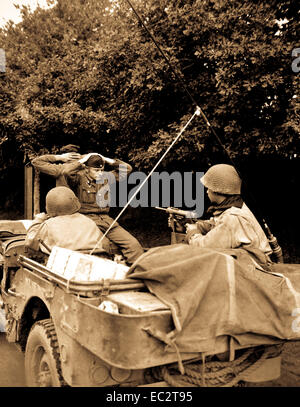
213,293
11,228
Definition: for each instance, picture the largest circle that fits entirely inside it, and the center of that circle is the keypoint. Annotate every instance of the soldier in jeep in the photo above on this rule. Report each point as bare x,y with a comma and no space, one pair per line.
63,225
81,174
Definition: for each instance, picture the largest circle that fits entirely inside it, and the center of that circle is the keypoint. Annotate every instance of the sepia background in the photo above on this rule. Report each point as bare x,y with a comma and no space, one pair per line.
87,73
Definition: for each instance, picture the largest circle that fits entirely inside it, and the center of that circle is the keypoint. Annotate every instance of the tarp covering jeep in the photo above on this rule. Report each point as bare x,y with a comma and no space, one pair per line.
10,228
212,294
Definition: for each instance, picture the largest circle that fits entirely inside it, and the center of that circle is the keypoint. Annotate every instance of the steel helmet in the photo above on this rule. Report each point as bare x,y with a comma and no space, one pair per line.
222,179
61,201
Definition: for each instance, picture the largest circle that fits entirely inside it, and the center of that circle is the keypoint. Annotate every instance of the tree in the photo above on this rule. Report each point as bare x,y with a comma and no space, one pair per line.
87,72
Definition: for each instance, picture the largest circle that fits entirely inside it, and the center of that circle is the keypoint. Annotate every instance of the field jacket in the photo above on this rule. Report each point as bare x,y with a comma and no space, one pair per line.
231,229
74,232
76,176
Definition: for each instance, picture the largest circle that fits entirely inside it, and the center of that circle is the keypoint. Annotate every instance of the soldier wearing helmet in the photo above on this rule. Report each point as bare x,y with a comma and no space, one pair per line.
63,225
81,173
232,224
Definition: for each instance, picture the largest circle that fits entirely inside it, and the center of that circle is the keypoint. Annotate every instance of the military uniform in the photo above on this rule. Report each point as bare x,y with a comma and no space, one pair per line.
231,229
232,225
90,194
74,232
63,225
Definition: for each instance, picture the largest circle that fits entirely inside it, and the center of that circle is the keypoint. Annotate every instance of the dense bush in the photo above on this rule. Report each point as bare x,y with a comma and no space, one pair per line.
87,72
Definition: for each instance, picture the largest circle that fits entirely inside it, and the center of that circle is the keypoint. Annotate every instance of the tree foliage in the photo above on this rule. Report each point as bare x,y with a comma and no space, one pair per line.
87,72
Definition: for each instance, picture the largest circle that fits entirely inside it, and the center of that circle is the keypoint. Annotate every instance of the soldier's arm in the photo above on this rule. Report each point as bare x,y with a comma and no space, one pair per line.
37,231
48,164
218,238
119,168
204,226
221,236
230,232
57,165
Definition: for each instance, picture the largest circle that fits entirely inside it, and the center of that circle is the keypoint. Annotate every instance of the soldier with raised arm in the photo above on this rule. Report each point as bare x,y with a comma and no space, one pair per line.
232,225
81,173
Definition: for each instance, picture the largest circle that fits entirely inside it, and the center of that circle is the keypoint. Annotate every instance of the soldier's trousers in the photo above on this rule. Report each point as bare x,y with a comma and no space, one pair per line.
128,244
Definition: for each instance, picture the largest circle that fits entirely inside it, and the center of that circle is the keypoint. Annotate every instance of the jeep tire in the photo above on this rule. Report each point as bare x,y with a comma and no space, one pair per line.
42,358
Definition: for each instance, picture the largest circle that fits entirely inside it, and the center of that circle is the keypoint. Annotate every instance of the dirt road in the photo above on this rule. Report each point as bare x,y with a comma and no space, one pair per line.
290,368
11,364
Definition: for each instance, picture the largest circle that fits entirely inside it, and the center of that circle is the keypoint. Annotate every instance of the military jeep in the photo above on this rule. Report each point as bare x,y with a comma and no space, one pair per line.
106,332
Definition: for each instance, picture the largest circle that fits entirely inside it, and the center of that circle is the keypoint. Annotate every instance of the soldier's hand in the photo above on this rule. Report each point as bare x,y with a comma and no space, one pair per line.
204,226
191,227
67,157
41,216
107,160
84,159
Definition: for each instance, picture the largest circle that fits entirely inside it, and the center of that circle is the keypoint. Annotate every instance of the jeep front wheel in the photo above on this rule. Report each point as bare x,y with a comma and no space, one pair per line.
42,358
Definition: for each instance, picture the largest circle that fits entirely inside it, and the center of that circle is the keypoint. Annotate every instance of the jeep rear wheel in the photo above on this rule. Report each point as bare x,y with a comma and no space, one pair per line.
42,358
